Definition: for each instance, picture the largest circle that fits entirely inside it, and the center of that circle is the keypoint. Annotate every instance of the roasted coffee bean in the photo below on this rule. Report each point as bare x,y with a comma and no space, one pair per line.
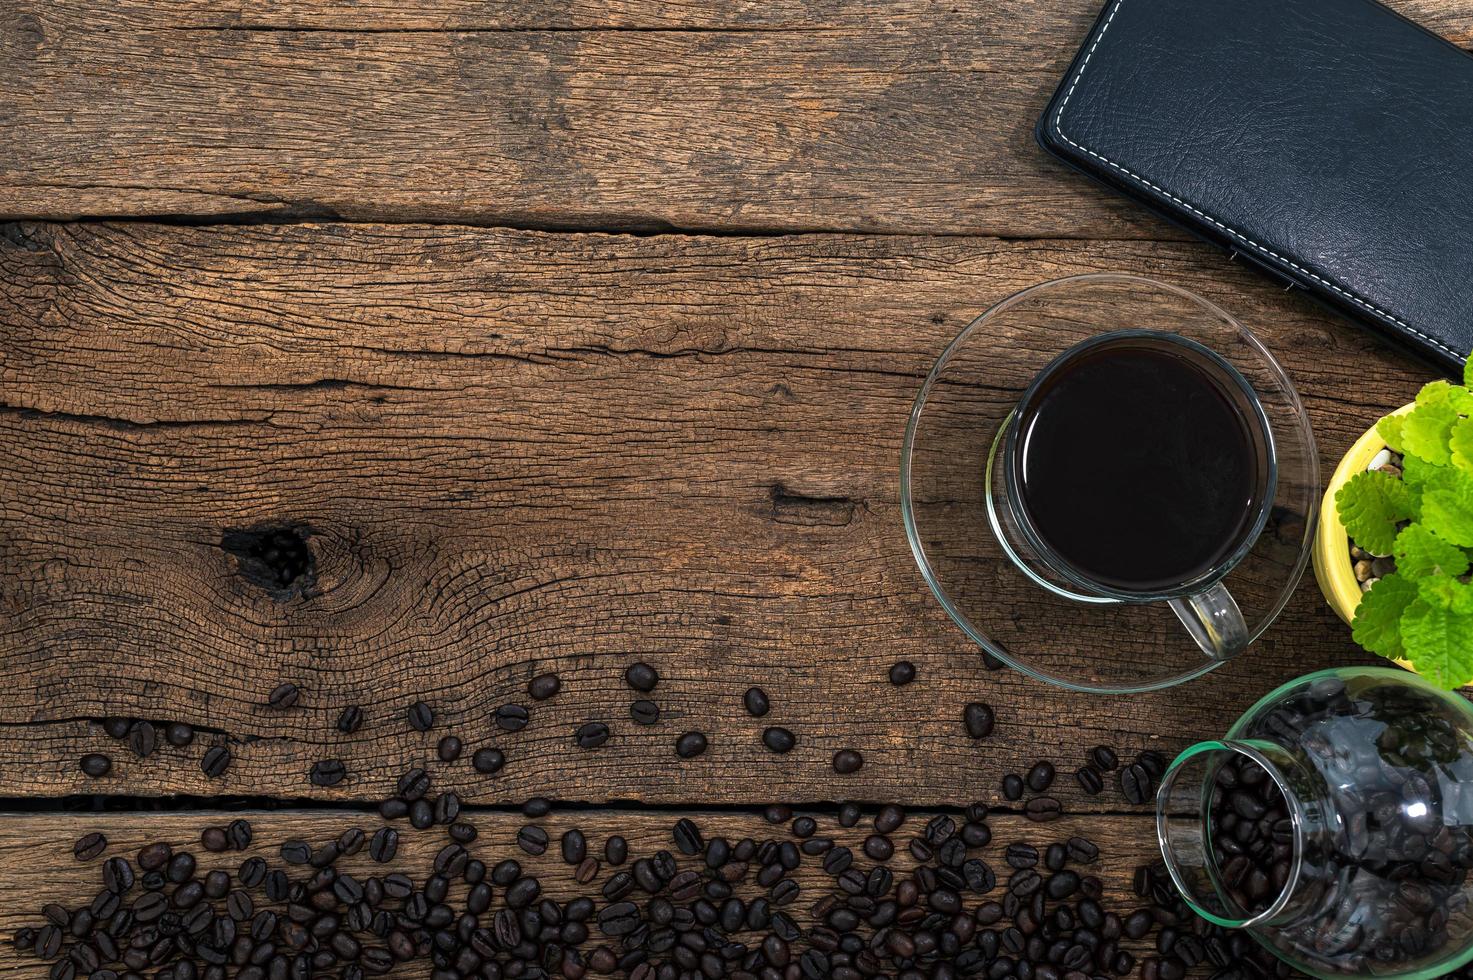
296,852
447,808
1104,758
1040,777
641,676
213,839
215,761
644,712
616,850
448,748
239,833
1089,780
687,837
778,740
421,814
511,717
878,847
1135,784
283,696
543,686
690,745
143,739
537,806
384,845
180,868
488,761
153,857
413,785
574,846
117,727
756,703
1012,786
178,734
350,720
421,716
590,735
1042,809
89,846
532,839
96,765
847,761
327,772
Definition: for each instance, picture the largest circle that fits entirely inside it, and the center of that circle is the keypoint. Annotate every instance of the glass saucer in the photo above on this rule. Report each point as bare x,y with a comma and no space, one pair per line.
951,460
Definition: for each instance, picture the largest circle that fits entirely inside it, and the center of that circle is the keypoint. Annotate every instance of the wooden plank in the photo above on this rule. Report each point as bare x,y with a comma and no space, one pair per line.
917,123
37,853
1031,18
519,452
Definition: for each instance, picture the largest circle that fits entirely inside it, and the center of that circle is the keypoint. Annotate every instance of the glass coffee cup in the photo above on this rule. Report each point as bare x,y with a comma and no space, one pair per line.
1160,517
1024,586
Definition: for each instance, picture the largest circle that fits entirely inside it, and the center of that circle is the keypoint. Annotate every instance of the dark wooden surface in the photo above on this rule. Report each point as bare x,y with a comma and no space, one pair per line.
574,334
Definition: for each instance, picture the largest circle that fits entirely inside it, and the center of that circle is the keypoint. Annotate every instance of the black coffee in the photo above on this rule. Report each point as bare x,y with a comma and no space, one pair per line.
1141,462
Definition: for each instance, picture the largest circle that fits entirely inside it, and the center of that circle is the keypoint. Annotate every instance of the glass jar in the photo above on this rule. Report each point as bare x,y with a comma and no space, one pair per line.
1334,823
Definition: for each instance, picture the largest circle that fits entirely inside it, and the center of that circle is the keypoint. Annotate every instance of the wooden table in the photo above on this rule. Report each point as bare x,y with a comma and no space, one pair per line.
565,335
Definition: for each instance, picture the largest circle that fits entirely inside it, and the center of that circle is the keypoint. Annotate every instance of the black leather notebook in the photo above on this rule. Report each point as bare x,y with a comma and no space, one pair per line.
1328,141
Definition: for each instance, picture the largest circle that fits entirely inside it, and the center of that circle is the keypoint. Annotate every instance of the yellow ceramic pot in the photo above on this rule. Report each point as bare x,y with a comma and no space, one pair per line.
1331,544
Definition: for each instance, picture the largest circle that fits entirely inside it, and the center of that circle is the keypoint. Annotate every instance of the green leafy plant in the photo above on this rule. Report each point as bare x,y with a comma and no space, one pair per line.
1423,611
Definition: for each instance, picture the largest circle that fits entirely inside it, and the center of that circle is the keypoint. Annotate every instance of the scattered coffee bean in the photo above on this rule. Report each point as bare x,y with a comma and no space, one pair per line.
756,703
328,772
96,765
1104,758
421,716
448,748
847,761
143,739
89,846
537,806
215,761
178,734
616,850
591,735
239,833
778,740
213,839
117,727
902,673
283,696
532,839
644,712
641,676
511,717
979,719
1135,784
1040,777
1089,780
690,745
350,720
488,761
543,686
1012,787
1042,809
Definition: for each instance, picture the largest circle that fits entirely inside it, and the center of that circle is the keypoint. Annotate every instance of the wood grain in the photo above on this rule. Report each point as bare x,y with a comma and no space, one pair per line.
37,852
1029,18
517,452
844,117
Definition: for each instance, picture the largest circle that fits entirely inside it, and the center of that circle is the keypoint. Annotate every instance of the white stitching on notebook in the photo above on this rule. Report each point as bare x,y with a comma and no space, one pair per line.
1059,129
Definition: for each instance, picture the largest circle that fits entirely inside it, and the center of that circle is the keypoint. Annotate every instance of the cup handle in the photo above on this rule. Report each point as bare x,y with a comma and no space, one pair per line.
1214,621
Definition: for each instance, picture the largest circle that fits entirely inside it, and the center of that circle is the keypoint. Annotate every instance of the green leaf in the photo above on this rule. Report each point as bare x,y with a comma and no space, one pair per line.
1371,505
1447,505
1439,641
1419,553
1377,625
1389,428
1468,372
1426,430
1461,443
1414,473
